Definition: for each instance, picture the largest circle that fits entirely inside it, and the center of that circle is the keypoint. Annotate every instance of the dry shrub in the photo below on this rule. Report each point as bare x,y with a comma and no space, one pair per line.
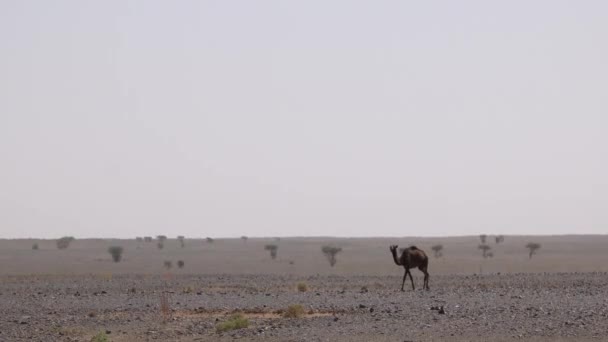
302,287
64,242
236,321
294,311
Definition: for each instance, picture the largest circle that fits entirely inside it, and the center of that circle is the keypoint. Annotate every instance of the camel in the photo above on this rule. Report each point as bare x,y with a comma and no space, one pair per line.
412,257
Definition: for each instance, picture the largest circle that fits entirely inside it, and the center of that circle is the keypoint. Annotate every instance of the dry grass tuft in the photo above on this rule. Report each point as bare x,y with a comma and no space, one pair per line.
236,321
302,287
294,311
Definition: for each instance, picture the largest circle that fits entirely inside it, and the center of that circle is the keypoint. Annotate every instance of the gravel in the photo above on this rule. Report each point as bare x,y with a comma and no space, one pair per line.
535,307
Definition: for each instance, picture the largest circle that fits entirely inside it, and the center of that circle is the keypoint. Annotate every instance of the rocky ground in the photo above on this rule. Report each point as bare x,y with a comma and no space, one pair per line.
532,307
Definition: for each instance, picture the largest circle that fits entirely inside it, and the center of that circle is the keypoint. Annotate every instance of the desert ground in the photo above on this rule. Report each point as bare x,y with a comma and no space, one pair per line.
79,293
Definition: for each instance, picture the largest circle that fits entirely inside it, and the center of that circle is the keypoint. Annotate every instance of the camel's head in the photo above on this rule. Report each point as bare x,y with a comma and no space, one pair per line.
393,248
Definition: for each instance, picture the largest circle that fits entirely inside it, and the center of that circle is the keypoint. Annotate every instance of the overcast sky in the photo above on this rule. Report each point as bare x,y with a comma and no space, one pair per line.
278,118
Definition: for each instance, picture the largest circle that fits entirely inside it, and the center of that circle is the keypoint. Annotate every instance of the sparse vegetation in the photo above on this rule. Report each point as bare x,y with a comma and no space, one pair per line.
273,250
35,246
330,253
161,238
180,263
147,239
209,240
100,337
181,239
483,238
294,311
499,239
485,251
168,264
302,287
116,253
64,242
139,239
437,250
236,321
165,307
532,248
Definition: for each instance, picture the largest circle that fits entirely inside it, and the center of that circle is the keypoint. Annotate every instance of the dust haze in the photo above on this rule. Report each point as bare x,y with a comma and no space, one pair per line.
121,119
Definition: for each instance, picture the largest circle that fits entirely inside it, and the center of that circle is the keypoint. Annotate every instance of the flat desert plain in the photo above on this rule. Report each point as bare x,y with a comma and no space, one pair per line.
80,294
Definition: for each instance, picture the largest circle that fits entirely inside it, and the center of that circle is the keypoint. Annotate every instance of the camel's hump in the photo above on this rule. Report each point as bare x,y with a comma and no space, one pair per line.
414,247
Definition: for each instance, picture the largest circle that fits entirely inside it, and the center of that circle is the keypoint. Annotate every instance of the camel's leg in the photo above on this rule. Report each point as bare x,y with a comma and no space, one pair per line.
404,277
412,279
426,278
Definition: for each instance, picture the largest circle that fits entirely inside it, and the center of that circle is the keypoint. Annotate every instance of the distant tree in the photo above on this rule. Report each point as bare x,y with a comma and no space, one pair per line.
277,239
483,238
35,246
180,263
330,253
116,253
273,250
210,240
64,242
161,238
437,249
147,239
244,238
484,250
181,238
168,264
139,239
533,247
160,245
499,239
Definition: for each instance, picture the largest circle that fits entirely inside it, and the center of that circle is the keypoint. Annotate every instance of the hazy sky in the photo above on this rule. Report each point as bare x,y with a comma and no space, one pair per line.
275,118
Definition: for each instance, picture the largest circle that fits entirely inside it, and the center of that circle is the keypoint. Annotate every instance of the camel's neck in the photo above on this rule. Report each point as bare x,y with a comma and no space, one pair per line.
395,258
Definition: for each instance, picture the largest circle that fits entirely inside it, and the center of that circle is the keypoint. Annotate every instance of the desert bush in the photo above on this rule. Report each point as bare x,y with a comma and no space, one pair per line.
116,253
160,245
35,246
273,250
438,250
209,240
302,287
180,263
532,247
168,264
100,337
330,253
236,321
499,239
139,239
483,238
162,238
147,239
181,238
484,250
294,311
64,242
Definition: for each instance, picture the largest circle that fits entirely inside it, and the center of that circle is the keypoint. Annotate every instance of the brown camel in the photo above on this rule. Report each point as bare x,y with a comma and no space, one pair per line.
412,257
